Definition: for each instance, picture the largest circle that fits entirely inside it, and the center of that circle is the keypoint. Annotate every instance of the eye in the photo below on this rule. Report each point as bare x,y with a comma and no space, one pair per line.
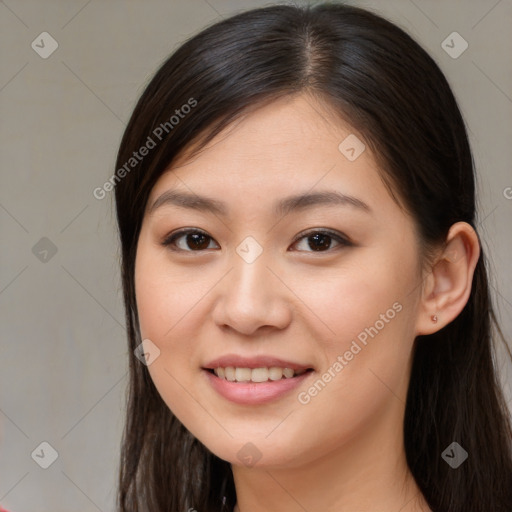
321,240
194,239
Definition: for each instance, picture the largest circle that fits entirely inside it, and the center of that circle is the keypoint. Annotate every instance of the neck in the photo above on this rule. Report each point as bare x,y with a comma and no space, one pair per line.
287,491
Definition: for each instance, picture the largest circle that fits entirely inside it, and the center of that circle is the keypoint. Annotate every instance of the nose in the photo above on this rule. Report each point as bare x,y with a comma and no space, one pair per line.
252,297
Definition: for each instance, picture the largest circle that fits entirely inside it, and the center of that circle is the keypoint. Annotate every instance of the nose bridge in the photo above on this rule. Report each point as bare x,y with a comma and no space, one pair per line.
251,296
250,272
250,277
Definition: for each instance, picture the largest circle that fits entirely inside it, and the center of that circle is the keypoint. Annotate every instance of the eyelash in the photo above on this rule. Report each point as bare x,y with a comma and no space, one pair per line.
343,241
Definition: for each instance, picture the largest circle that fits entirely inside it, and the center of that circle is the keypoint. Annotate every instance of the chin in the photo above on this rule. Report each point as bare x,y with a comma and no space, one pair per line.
263,453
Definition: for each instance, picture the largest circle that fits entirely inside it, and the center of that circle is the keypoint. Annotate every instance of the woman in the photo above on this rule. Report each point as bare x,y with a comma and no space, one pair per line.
306,295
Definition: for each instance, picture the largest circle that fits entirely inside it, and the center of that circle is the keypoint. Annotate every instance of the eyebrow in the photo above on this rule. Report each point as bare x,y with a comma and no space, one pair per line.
283,207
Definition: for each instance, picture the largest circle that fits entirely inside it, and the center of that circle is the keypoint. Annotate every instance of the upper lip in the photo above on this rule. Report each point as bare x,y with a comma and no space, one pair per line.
262,361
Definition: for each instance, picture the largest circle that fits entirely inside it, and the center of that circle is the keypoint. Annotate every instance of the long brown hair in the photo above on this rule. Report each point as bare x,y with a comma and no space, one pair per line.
377,77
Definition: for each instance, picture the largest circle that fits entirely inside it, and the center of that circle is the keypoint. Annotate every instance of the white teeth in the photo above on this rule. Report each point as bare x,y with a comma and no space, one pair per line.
243,374
259,375
288,373
275,373
256,374
230,373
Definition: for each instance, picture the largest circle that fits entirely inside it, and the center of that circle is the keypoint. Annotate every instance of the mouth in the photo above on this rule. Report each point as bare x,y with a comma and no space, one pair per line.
256,379
256,375
259,385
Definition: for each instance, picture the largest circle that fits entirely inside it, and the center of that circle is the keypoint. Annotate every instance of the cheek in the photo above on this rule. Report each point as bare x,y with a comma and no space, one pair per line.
365,330
161,302
365,364
345,302
170,311
167,297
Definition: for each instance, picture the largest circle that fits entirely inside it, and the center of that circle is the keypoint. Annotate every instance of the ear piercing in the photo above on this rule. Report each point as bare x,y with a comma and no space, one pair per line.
434,318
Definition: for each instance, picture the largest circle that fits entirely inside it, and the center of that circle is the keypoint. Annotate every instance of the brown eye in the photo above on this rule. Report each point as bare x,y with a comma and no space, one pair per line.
194,240
321,241
188,240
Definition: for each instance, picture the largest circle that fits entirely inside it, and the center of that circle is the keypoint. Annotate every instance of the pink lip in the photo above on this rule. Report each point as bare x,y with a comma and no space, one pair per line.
254,393
253,362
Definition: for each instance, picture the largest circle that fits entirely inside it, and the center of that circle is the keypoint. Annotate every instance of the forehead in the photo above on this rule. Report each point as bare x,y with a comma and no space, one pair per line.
291,145
295,122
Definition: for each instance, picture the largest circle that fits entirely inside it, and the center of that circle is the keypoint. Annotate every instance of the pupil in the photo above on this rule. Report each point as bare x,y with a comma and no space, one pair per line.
324,241
197,241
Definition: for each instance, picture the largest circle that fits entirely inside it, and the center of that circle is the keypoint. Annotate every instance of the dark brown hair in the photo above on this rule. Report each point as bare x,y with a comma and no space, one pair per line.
371,73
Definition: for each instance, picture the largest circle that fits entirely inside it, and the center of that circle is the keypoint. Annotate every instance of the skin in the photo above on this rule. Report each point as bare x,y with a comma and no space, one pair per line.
343,450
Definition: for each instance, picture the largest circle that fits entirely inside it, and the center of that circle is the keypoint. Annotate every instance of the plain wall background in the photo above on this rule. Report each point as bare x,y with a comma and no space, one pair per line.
63,355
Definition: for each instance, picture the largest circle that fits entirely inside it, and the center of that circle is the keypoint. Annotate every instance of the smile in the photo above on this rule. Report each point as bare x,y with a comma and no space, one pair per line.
233,374
249,392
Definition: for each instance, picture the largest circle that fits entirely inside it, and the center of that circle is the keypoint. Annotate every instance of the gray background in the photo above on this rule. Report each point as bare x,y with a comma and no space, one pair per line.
63,352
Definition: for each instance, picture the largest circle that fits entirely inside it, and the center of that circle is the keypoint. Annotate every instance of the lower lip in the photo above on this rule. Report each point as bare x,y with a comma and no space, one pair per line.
254,393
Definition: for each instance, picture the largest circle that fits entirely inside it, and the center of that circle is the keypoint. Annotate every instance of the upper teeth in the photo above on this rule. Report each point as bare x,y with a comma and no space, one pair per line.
255,374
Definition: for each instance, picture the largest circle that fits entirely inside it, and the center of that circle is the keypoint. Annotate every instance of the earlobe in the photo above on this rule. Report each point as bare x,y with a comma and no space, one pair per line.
447,288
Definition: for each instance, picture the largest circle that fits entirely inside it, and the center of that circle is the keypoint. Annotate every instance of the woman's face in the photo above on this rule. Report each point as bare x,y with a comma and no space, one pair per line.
329,283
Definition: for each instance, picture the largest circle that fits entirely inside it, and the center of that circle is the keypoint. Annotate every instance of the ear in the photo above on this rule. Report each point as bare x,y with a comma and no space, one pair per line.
447,287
